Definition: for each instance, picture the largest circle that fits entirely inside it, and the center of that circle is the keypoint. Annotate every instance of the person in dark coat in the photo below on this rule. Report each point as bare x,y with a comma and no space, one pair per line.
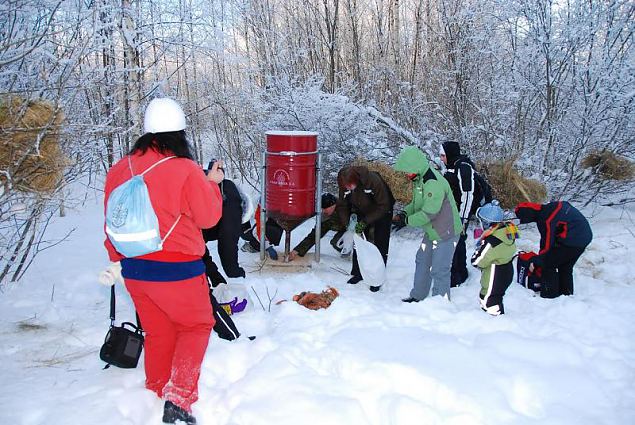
460,173
251,234
564,235
226,232
330,221
366,194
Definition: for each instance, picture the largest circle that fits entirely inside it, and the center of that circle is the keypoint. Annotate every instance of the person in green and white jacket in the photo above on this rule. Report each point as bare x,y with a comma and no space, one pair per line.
434,210
494,255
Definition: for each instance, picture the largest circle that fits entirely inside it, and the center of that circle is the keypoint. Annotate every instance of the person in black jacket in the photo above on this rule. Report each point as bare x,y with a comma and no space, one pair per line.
460,174
564,235
227,232
366,194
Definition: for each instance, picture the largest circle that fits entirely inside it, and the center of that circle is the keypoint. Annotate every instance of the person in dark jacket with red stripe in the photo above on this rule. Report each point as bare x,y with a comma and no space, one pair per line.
564,235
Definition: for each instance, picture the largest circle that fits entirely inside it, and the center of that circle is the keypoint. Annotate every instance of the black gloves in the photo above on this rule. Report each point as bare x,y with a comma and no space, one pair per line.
399,221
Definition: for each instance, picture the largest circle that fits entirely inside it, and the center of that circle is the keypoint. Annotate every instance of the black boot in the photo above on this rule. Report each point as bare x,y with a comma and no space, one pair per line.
173,413
375,288
410,300
240,272
354,280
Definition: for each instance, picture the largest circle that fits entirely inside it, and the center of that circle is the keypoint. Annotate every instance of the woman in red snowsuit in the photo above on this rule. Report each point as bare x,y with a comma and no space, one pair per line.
168,287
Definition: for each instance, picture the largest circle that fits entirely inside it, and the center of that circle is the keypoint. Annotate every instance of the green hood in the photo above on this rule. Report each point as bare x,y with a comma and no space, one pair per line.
506,234
411,160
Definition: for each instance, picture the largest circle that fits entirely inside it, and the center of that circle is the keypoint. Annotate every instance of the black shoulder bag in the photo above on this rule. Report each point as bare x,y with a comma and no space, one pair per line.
122,346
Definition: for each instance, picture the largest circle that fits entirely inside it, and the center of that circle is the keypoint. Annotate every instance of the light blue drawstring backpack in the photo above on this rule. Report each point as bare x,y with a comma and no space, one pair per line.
131,223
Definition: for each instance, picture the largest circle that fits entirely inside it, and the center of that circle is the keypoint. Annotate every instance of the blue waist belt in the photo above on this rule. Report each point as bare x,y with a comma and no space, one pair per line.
160,271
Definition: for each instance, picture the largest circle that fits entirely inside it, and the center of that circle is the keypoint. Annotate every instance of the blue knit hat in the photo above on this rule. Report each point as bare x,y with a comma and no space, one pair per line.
490,213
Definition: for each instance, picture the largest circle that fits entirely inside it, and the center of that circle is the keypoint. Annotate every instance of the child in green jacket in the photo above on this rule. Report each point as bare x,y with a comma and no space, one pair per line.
494,254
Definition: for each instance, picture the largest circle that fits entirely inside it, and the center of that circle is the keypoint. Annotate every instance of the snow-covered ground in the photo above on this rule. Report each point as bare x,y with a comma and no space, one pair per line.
369,359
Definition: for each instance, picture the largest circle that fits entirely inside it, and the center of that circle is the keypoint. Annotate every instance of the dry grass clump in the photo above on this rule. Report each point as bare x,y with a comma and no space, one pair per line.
509,187
609,166
22,125
399,184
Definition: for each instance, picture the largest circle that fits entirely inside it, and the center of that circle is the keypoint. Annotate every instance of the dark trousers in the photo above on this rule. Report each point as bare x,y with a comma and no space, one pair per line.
211,269
228,230
458,272
379,234
273,233
492,294
227,233
557,271
224,326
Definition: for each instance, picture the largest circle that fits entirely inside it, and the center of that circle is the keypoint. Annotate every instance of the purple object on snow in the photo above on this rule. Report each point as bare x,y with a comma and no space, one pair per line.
238,307
235,306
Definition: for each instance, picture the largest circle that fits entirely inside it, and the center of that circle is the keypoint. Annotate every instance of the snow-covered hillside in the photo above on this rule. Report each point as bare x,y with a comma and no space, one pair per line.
369,359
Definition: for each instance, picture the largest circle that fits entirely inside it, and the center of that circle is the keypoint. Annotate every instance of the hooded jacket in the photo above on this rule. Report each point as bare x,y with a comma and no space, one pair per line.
559,223
461,176
496,249
228,229
370,200
432,208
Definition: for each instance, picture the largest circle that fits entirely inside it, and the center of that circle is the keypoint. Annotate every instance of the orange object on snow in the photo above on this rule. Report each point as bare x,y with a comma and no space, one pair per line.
314,301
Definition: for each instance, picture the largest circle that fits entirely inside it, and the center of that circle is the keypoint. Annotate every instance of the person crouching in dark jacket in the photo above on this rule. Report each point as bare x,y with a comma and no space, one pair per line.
330,221
564,235
226,232
251,234
366,194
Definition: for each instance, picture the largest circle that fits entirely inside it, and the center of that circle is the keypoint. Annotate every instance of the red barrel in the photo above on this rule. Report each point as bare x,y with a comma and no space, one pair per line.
291,180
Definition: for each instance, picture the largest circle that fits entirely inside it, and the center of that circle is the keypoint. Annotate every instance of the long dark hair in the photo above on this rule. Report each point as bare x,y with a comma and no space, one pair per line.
168,143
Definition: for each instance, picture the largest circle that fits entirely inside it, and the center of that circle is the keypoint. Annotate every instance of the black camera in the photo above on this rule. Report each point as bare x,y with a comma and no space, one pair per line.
210,165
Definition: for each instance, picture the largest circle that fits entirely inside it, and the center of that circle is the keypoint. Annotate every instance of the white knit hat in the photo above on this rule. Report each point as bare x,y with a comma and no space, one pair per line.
163,115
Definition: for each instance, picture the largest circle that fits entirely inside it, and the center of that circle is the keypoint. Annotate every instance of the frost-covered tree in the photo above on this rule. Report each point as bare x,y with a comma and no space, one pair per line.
543,82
